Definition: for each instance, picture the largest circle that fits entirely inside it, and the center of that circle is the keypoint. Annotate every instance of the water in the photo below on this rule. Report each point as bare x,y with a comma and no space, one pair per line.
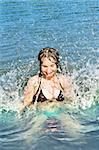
26,26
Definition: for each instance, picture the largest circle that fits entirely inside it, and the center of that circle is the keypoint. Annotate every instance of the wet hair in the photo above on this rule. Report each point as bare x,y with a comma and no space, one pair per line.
49,53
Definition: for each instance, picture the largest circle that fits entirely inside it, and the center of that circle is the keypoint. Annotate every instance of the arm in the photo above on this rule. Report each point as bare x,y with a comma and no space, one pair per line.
69,90
29,91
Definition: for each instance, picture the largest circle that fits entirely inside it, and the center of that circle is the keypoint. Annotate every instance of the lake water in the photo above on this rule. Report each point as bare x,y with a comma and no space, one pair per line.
71,26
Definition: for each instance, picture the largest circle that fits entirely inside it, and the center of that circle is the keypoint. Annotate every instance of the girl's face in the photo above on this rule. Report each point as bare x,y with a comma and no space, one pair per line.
48,68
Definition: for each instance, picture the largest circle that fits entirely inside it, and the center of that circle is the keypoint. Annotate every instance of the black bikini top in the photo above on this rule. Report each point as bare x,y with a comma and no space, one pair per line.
41,98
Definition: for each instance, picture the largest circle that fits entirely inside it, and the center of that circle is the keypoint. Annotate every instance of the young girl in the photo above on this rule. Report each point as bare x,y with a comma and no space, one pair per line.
49,88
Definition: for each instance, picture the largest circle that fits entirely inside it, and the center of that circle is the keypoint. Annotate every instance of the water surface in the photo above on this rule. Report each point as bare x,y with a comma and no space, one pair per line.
26,26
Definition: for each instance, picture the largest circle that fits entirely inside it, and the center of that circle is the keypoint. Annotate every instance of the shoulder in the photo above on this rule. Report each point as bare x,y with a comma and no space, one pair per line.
65,78
33,80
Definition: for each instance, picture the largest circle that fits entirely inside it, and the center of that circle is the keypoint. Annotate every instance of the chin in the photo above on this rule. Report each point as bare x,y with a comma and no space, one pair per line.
49,76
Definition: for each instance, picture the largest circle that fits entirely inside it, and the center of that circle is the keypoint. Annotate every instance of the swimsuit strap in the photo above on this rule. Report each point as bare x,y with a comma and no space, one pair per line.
38,87
35,97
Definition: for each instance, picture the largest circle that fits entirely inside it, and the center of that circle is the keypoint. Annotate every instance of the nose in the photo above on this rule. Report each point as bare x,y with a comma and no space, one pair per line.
49,70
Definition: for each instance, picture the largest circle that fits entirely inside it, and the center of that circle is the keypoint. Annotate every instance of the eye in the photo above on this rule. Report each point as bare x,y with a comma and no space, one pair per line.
52,65
44,66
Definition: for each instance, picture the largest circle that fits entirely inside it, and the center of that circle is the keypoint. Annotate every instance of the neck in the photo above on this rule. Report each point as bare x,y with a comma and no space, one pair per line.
49,78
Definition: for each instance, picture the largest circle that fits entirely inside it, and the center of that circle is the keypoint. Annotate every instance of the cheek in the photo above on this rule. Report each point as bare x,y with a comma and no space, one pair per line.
43,69
55,68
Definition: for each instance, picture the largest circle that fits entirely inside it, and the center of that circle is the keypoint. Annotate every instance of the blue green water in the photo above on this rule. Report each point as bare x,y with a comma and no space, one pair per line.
26,26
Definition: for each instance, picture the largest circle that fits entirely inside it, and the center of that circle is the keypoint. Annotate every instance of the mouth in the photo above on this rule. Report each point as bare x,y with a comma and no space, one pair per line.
48,74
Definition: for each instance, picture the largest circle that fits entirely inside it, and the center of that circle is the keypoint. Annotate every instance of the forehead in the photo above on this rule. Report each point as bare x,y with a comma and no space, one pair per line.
49,60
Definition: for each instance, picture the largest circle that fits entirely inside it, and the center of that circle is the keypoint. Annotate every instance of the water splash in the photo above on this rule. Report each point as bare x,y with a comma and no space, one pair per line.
86,79
9,91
